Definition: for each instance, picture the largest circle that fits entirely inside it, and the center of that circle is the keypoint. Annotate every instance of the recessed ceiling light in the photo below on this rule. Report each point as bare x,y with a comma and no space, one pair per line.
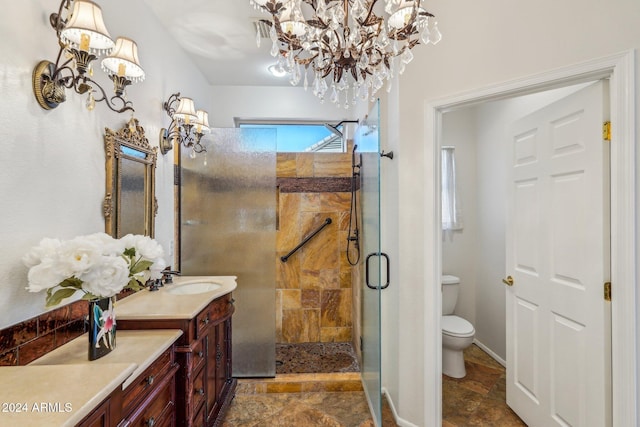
277,71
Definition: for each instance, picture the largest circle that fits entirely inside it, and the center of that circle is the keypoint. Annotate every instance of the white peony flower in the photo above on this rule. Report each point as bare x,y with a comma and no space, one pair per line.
107,244
45,275
46,248
145,246
107,277
79,255
97,264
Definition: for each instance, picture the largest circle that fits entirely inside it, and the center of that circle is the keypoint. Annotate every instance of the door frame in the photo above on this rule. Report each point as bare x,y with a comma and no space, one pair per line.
620,70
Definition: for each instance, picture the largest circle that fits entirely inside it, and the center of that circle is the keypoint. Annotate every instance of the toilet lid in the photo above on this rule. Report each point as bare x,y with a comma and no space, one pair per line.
448,279
457,326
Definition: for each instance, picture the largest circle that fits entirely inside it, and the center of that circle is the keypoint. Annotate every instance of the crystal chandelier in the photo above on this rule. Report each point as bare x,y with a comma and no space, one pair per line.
344,50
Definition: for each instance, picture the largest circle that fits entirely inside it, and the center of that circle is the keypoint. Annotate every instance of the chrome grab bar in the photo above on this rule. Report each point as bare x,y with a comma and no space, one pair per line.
309,237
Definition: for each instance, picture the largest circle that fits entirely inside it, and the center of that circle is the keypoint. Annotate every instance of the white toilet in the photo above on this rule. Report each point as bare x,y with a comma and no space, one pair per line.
457,333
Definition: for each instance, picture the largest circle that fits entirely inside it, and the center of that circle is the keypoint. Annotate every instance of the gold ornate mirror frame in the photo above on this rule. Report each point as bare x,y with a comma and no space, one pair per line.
130,204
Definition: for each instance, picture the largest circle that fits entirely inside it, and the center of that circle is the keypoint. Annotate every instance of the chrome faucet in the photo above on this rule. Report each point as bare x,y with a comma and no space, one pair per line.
154,285
166,275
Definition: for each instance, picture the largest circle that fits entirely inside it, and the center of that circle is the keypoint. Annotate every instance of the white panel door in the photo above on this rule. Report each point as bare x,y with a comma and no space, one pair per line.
558,323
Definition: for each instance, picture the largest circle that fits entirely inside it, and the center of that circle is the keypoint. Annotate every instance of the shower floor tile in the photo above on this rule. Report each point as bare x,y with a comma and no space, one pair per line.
316,358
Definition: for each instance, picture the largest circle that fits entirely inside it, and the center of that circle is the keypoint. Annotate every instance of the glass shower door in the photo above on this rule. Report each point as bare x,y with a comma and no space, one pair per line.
228,228
367,139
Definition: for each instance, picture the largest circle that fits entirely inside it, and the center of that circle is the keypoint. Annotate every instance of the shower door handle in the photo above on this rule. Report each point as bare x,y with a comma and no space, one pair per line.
366,268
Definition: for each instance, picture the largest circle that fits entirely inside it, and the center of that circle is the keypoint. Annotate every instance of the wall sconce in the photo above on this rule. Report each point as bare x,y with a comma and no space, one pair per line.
83,37
187,125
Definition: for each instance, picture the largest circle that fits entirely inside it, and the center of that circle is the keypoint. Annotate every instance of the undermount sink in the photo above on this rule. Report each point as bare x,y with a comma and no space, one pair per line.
192,288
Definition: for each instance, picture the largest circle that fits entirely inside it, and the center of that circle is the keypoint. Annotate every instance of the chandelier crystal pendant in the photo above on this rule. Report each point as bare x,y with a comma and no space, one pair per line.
342,49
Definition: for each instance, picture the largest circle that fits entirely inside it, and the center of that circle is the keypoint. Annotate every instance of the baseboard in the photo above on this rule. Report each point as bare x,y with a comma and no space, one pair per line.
490,353
396,417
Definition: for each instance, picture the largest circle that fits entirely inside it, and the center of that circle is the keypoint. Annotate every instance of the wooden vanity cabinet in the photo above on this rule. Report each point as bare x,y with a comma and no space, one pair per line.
150,401
204,386
107,414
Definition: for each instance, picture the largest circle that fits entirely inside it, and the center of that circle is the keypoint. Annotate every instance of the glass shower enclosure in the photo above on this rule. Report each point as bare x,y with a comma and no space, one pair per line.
227,228
367,139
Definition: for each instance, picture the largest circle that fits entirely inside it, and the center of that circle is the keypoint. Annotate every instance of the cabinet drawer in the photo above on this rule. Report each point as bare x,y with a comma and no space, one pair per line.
198,391
159,408
202,322
213,314
146,381
198,355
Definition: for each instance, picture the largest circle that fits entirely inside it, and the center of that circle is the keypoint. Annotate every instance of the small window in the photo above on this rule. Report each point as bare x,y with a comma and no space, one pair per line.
302,137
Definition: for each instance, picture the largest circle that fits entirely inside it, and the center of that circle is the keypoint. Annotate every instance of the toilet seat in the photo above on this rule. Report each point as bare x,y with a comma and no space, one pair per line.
457,327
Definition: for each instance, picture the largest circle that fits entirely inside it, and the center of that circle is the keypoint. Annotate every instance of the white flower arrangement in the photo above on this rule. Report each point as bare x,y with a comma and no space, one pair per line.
96,264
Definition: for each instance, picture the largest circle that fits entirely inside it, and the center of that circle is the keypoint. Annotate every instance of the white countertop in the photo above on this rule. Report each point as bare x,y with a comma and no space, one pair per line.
59,395
140,347
162,304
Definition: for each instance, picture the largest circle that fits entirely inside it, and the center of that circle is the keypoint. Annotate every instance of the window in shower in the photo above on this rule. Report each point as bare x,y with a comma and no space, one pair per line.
451,211
301,137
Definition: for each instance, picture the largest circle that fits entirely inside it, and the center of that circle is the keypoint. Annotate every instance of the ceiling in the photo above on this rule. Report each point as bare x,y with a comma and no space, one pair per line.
220,38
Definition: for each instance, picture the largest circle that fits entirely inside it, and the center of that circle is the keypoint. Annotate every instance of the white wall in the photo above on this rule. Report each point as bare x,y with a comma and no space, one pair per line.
271,102
459,246
484,43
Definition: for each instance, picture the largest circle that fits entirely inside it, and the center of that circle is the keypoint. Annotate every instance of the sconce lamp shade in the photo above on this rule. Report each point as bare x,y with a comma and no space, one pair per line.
123,61
186,110
202,122
85,30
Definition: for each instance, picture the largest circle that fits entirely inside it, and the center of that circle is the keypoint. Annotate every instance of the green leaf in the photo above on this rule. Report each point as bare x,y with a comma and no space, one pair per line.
89,296
141,266
71,282
58,296
130,252
134,285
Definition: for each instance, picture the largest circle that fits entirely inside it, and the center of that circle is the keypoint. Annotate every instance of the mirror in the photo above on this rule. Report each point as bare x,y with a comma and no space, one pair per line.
130,204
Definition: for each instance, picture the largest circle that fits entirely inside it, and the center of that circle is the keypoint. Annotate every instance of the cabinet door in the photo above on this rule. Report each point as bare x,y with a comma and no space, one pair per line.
212,357
221,359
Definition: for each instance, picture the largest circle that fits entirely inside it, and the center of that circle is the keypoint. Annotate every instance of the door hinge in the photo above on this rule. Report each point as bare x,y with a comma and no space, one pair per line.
607,291
606,131
176,175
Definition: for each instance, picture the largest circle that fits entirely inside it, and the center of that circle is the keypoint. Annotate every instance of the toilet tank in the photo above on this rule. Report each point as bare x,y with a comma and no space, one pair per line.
450,287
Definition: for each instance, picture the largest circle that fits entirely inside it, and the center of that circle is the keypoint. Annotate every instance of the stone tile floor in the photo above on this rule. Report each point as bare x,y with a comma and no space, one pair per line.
336,400
479,399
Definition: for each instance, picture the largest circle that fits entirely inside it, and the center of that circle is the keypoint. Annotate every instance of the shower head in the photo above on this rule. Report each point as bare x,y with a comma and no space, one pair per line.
333,129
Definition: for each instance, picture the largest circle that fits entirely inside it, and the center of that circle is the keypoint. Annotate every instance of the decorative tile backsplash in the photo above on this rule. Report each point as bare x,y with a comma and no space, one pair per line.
24,342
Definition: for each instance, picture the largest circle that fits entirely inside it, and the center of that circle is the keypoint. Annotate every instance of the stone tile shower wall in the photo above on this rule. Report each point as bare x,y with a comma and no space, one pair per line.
314,298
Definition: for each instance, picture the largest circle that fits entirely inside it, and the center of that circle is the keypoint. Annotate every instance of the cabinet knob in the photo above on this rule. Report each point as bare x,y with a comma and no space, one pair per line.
149,380
200,391
205,320
151,422
231,301
200,354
